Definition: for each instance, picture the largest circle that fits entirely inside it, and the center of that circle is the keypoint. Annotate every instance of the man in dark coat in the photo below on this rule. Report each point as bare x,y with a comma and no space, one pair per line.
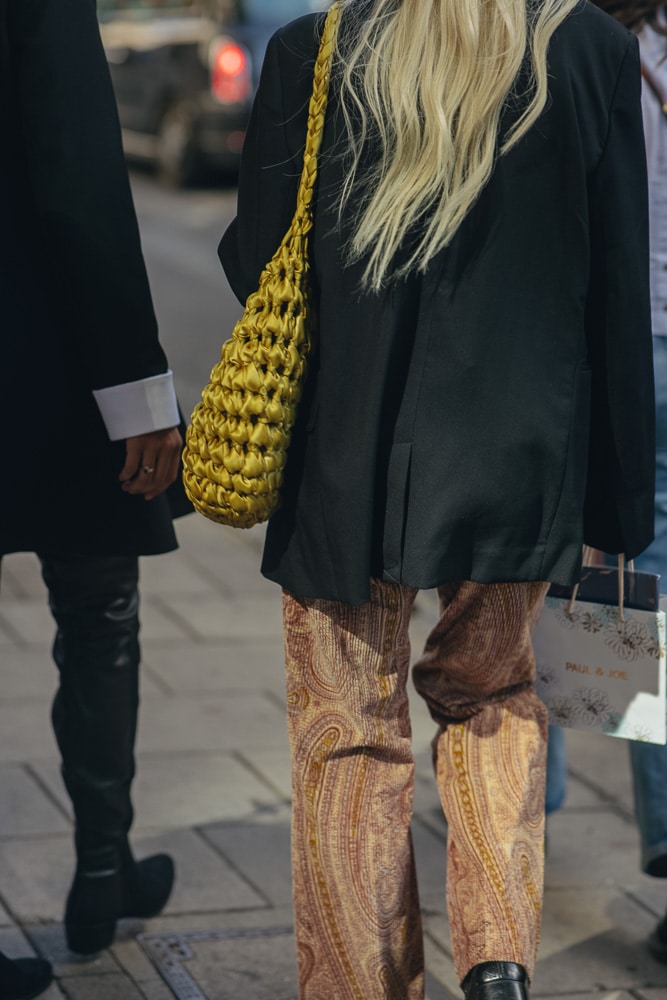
88,406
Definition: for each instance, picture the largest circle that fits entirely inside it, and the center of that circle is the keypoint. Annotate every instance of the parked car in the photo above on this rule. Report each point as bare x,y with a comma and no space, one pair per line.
185,73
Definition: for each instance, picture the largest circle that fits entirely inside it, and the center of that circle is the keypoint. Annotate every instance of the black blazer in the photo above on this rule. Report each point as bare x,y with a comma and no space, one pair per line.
75,306
484,421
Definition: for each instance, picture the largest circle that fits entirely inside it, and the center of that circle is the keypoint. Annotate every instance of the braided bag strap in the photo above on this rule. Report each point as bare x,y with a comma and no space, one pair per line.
239,434
302,222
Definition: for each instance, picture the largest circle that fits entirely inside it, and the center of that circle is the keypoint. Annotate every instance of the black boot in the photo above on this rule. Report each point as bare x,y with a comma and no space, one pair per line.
95,603
496,981
657,942
23,978
117,887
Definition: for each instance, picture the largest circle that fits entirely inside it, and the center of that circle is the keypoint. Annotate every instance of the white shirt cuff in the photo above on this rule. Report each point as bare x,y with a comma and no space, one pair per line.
138,407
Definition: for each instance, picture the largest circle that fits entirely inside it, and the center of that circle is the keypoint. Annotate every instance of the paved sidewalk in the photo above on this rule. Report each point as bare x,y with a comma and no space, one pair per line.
213,789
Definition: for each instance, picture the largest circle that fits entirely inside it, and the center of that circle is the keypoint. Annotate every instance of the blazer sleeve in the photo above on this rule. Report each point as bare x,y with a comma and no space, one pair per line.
86,235
619,507
272,157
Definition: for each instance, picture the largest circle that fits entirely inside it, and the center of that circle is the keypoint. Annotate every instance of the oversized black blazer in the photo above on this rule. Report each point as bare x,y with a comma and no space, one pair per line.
483,421
75,306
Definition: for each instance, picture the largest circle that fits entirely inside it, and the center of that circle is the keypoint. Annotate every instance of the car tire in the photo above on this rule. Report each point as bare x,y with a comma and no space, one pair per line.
177,158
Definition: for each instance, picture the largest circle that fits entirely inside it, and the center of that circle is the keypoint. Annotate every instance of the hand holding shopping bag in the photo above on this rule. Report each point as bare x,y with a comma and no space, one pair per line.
600,654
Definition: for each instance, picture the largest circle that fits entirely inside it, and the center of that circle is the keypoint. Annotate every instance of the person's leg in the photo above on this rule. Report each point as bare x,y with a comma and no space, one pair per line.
476,675
649,762
556,787
649,778
95,603
357,917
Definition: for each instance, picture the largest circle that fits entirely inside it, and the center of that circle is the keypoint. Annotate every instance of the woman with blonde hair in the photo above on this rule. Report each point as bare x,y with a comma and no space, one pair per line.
477,408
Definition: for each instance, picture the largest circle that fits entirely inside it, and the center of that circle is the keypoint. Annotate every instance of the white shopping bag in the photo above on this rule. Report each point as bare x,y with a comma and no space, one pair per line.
602,670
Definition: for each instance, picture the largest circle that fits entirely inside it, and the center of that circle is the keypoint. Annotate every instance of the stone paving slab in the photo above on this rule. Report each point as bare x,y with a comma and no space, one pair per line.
177,790
581,796
234,618
173,932
215,722
114,986
8,640
29,674
171,574
185,791
135,963
591,848
156,991
232,572
596,937
651,894
27,809
159,621
225,665
604,995
228,559
25,732
27,621
205,882
437,954
274,765
228,965
22,577
262,854
423,726
602,762
427,803
35,875
49,940
132,958
431,863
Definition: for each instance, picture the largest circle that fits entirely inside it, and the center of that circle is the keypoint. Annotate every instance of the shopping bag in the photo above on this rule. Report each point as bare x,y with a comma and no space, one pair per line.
601,663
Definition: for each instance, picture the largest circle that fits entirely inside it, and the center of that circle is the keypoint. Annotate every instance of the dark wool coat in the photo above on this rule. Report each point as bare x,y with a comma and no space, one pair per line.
75,307
482,422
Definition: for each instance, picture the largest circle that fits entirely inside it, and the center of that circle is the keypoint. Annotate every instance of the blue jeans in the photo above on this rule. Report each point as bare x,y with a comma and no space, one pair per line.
648,761
556,787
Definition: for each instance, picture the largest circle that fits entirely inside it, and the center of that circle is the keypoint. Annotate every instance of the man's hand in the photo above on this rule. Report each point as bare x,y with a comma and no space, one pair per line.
151,462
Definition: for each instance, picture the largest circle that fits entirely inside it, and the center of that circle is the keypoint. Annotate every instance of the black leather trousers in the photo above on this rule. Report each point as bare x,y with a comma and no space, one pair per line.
95,602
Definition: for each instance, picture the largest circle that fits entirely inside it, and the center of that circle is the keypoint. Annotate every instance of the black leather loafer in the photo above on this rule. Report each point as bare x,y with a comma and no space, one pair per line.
657,942
496,981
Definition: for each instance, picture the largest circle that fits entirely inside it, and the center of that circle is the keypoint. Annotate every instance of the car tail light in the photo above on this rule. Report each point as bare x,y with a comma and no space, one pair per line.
230,72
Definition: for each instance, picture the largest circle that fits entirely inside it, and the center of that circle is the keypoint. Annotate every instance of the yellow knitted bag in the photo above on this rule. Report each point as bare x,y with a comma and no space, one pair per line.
236,444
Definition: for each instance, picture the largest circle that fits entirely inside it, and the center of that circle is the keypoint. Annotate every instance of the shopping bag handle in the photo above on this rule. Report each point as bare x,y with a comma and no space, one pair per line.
587,556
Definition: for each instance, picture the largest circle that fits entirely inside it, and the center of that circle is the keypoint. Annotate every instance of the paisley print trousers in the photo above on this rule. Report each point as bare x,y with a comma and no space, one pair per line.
356,903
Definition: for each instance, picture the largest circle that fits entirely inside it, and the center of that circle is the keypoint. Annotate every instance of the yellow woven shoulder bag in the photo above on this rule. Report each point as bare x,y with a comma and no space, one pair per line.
236,444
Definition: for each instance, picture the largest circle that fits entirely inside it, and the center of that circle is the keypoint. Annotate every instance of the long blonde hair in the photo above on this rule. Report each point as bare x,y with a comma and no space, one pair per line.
427,81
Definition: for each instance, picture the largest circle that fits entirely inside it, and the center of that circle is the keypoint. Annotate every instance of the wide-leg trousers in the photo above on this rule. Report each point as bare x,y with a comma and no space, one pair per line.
356,901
